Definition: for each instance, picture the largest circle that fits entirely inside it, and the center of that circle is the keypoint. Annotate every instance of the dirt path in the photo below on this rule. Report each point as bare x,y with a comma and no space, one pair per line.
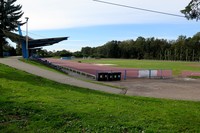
61,78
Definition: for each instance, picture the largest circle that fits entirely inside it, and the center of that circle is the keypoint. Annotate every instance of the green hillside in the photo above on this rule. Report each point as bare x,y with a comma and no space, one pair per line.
32,104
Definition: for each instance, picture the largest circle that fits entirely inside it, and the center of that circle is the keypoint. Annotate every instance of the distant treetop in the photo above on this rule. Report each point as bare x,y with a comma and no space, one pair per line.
192,10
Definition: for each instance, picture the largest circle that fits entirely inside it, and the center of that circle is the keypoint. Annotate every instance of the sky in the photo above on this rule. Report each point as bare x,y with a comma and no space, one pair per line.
91,23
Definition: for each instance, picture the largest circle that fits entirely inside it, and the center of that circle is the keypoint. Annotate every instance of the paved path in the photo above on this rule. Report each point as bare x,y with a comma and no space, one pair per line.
14,62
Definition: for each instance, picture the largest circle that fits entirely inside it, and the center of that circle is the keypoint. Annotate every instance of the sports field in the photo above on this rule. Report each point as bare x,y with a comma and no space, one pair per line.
95,68
177,87
177,67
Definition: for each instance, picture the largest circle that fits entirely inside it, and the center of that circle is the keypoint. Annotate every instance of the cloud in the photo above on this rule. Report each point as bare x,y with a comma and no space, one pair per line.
59,14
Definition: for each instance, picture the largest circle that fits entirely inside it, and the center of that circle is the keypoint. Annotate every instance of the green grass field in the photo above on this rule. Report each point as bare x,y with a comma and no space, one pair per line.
176,66
32,104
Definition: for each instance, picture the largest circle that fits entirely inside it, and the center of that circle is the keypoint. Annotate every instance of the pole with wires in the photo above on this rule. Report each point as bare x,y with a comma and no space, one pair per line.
27,52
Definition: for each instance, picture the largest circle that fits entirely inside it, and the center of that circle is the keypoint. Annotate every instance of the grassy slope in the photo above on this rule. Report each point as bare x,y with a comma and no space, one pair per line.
32,104
177,67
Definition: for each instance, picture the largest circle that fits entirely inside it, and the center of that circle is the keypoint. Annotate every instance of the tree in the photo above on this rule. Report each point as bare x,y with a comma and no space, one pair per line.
65,53
19,49
9,19
42,53
192,10
77,54
112,49
86,51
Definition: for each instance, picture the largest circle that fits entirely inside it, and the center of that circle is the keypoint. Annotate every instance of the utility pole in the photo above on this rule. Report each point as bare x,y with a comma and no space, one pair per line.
27,52
181,54
175,54
193,55
186,55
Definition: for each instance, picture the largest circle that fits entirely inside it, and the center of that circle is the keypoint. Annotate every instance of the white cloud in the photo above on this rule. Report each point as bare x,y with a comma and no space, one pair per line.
58,14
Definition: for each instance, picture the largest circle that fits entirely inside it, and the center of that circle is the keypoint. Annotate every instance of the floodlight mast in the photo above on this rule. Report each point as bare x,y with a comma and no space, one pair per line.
27,52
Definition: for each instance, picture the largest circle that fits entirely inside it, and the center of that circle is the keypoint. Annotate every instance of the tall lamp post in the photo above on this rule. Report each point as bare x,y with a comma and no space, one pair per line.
27,52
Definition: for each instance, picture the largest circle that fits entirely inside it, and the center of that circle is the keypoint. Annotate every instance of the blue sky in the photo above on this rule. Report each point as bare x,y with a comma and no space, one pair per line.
89,23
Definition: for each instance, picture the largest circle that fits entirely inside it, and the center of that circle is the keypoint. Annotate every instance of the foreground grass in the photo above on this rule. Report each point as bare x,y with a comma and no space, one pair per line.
176,66
32,104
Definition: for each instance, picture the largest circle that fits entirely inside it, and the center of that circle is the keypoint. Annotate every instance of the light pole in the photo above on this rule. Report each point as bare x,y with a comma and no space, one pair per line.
27,52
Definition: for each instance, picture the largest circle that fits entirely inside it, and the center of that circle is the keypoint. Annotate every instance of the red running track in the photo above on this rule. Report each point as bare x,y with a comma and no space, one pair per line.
94,69
189,73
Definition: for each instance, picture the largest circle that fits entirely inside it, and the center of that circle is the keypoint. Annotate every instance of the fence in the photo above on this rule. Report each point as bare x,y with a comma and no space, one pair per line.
63,69
141,73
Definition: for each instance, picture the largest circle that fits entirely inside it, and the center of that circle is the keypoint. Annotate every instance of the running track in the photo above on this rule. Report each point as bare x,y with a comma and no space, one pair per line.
94,68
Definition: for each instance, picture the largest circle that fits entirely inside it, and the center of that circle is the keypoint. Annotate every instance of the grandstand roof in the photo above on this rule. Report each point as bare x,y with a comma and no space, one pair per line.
32,43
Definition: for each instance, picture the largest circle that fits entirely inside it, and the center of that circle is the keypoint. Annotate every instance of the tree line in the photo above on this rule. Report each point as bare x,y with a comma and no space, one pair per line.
183,49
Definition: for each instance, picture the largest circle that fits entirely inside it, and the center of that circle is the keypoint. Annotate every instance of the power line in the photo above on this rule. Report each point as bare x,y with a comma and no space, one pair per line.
142,9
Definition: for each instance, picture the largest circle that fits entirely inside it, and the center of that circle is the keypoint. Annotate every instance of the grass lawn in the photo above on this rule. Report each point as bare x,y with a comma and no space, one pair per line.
32,104
176,66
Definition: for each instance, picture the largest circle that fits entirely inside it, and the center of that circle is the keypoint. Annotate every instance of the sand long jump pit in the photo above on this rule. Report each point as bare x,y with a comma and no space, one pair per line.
170,88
